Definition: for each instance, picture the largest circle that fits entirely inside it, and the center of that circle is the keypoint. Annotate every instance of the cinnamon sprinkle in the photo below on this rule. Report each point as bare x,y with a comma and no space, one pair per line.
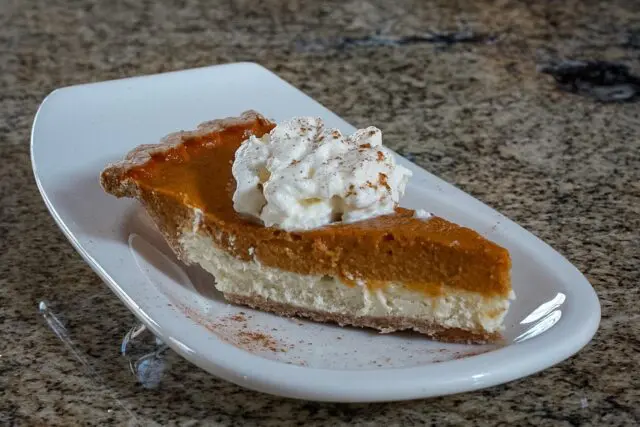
382,178
234,330
260,339
351,191
238,317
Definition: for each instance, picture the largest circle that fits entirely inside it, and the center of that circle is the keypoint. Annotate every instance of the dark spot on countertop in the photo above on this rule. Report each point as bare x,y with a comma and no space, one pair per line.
600,80
440,39
429,37
633,39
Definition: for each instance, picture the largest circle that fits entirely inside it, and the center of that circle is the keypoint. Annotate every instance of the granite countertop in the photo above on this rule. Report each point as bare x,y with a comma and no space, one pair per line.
454,87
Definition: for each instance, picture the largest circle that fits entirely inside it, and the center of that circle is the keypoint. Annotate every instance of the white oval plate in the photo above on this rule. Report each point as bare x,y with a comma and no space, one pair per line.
78,130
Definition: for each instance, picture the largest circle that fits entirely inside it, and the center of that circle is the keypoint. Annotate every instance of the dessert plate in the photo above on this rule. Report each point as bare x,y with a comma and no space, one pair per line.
78,130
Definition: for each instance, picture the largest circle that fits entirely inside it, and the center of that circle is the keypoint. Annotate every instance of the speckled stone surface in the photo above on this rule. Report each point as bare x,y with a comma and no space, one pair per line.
477,113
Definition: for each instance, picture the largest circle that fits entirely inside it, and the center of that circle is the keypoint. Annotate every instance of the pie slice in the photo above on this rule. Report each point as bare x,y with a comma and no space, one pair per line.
391,272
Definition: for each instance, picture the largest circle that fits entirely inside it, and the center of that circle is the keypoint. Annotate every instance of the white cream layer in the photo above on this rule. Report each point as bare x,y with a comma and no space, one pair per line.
455,309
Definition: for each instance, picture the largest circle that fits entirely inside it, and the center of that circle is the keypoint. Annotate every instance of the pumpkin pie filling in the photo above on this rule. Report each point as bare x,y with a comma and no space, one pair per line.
186,185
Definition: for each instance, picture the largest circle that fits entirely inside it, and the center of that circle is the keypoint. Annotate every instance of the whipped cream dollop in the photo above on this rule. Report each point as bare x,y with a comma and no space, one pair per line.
422,214
301,176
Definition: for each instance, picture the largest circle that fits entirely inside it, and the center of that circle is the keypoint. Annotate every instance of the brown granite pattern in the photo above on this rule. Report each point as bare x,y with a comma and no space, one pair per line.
476,112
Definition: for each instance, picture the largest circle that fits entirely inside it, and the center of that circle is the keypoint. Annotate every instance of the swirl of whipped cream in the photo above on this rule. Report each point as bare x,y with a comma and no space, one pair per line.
302,176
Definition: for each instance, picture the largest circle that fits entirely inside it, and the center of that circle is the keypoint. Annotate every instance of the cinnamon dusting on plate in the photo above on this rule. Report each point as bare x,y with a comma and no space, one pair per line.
233,329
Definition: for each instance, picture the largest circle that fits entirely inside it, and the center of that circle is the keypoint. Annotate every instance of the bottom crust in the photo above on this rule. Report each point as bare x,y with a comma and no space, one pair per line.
383,324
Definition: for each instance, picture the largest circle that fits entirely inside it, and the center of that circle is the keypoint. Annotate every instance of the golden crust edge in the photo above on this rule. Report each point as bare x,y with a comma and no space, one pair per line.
113,178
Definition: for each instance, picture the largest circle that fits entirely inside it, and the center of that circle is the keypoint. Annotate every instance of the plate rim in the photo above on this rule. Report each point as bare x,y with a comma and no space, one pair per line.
510,362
